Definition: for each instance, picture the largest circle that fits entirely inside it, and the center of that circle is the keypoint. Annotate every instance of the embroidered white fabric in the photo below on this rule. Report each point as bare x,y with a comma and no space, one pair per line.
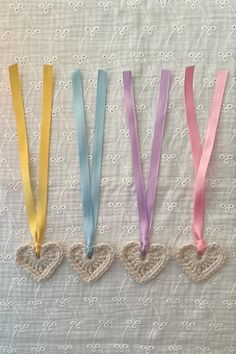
171,314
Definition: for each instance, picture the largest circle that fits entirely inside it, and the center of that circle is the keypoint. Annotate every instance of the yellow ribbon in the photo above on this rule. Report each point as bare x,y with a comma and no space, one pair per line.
36,213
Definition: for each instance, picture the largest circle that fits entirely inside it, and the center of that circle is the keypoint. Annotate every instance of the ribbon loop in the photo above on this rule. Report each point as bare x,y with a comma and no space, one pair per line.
90,186
146,199
36,213
201,156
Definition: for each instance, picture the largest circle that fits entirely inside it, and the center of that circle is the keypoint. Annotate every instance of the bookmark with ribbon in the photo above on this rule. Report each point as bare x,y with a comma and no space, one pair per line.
200,261
144,261
39,260
90,261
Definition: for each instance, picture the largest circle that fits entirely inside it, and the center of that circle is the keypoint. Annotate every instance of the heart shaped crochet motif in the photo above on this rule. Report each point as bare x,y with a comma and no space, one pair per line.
43,266
90,269
201,267
144,269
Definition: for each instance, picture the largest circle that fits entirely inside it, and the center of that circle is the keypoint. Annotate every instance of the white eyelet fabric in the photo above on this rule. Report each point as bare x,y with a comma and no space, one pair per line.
170,314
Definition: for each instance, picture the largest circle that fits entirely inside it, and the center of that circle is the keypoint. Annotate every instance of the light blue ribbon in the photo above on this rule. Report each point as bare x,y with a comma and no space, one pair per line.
90,187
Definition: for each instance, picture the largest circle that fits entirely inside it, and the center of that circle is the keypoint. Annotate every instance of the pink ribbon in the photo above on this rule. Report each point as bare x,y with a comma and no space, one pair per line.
146,200
201,156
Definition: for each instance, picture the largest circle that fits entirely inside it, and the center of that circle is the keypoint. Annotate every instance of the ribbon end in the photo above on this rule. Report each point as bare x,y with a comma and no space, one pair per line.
89,251
144,249
37,249
201,247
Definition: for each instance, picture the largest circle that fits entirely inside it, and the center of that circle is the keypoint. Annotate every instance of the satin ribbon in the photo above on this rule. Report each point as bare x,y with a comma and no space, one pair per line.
36,213
202,155
90,187
146,200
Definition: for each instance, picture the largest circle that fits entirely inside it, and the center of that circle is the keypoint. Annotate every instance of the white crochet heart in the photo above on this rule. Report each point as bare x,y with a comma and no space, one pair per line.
41,267
144,269
201,267
90,269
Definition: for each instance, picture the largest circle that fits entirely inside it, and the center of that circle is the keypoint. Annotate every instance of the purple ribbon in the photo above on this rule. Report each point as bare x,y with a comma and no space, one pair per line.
146,199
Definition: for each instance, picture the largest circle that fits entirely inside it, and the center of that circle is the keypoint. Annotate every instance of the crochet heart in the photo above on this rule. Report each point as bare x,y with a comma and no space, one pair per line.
90,269
144,269
200,267
43,266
